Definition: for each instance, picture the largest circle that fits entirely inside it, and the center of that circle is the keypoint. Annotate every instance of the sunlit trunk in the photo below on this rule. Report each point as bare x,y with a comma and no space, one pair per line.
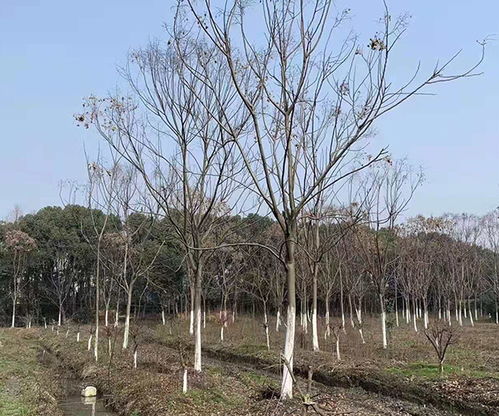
197,323
127,317
266,325
469,313
383,321
315,335
289,342
13,321
191,316
425,313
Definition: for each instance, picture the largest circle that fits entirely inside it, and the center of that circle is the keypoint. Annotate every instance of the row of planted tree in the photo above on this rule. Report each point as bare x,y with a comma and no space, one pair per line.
443,266
220,121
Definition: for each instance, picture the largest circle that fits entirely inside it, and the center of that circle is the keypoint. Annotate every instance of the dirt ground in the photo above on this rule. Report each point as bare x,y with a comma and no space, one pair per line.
241,377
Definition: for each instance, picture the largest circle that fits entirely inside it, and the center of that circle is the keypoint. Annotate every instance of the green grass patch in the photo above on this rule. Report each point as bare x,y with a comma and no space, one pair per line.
251,378
432,371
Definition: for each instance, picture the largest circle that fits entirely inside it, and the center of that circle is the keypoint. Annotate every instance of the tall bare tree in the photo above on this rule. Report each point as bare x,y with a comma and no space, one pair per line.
310,103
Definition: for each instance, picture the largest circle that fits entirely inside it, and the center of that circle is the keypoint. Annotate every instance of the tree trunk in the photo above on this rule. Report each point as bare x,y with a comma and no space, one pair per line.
191,321
352,323
14,302
327,333
278,319
197,316
126,332
315,335
266,325
289,343
383,320
342,306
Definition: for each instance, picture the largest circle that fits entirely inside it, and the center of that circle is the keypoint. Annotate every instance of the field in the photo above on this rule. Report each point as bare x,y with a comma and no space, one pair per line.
241,377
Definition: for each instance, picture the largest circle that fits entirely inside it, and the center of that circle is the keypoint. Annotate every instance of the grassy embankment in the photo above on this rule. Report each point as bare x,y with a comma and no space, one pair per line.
27,388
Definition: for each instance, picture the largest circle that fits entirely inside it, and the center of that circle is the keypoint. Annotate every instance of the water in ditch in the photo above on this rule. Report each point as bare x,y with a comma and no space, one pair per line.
76,405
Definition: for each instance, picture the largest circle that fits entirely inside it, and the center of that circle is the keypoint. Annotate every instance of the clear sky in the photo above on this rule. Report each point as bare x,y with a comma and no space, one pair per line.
55,52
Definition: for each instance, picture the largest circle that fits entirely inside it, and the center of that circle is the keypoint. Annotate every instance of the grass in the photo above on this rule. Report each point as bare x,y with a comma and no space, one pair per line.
23,380
432,371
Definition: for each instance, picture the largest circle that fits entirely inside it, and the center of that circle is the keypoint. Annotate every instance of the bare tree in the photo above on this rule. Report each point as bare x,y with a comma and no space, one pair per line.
309,104
440,337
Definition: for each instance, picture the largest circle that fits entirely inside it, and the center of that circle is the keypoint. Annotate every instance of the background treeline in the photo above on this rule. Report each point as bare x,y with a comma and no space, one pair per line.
48,263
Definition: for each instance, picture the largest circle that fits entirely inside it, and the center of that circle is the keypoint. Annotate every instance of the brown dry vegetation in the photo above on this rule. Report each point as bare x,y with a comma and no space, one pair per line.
241,377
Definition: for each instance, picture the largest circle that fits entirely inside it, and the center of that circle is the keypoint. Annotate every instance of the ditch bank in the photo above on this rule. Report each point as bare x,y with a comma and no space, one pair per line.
69,399
474,397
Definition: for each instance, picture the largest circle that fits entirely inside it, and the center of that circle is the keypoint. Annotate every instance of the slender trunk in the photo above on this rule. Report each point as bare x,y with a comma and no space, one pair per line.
352,323
278,319
191,321
425,313
266,325
204,312
315,335
14,302
184,381
383,320
197,315
338,357
127,317
449,313
469,313
327,333
117,312
414,316
342,306
289,343
396,305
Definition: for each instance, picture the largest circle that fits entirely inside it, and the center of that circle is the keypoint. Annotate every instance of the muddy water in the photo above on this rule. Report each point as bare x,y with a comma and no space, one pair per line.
84,406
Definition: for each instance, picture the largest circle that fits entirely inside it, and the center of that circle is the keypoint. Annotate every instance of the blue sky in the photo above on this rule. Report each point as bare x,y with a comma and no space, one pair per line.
55,52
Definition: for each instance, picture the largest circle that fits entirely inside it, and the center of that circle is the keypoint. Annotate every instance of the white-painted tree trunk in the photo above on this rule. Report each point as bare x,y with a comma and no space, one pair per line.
78,336
289,344
315,329
315,335
135,359
266,325
184,381
362,335
13,321
338,357
470,314
222,333
350,309
163,319
89,342
383,321
327,332
191,317
126,331
278,320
